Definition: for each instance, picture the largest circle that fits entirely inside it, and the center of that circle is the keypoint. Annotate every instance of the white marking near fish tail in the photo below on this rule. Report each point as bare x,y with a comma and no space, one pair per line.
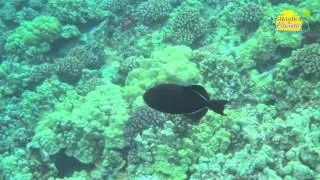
204,98
196,111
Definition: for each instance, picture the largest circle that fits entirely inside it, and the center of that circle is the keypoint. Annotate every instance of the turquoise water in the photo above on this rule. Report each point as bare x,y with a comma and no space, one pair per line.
73,74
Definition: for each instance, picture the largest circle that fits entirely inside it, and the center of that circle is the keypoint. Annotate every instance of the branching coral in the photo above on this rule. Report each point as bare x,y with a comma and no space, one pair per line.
294,77
20,115
188,26
89,81
307,61
157,154
125,67
143,118
249,16
91,137
33,38
224,73
115,5
3,35
13,78
21,165
40,73
287,151
70,68
76,11
211,136
152,11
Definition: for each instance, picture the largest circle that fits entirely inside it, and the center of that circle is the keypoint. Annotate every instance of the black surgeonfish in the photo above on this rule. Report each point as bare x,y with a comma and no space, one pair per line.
192,101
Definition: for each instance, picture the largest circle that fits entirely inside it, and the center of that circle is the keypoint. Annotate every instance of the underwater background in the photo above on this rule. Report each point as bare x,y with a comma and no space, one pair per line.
73,72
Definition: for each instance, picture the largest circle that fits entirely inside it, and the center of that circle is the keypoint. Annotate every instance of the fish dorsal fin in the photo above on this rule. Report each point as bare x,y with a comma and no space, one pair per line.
197,115
199,90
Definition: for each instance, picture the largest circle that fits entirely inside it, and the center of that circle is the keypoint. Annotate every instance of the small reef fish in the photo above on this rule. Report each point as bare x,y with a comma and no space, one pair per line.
192,101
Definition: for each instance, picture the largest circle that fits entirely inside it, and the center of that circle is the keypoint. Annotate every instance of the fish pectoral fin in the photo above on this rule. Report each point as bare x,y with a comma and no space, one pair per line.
197,115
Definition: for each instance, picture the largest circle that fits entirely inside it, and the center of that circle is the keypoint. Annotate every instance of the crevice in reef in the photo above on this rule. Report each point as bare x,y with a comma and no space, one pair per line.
67,165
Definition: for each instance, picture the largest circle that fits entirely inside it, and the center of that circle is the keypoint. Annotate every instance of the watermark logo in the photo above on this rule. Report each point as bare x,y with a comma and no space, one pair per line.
288,20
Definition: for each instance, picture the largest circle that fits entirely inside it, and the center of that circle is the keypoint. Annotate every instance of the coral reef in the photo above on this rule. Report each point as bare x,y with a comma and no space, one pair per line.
86,137
76,11
33,38
223,72
20,115
188,26
152,11
143,118
89,81
307,60
161,68
157,156
249,16
69,68
40,73
14,78
125,67
115,5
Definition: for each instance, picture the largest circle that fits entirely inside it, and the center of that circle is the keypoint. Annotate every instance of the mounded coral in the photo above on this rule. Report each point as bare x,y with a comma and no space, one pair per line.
298,170
14,78
32,38
21,165
40,73
152,11
89,81
19,115
307,61
225,74
288,40
115,5
76,11
157,155
8,12
249,16
70,31
264,54
125,67
212,136
69,68
89,128
169,65
91,54
294,80
143,118
188,26
290,148
3,35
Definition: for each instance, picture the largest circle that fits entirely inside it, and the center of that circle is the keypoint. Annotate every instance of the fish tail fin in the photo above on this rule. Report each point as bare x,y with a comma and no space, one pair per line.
217,105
